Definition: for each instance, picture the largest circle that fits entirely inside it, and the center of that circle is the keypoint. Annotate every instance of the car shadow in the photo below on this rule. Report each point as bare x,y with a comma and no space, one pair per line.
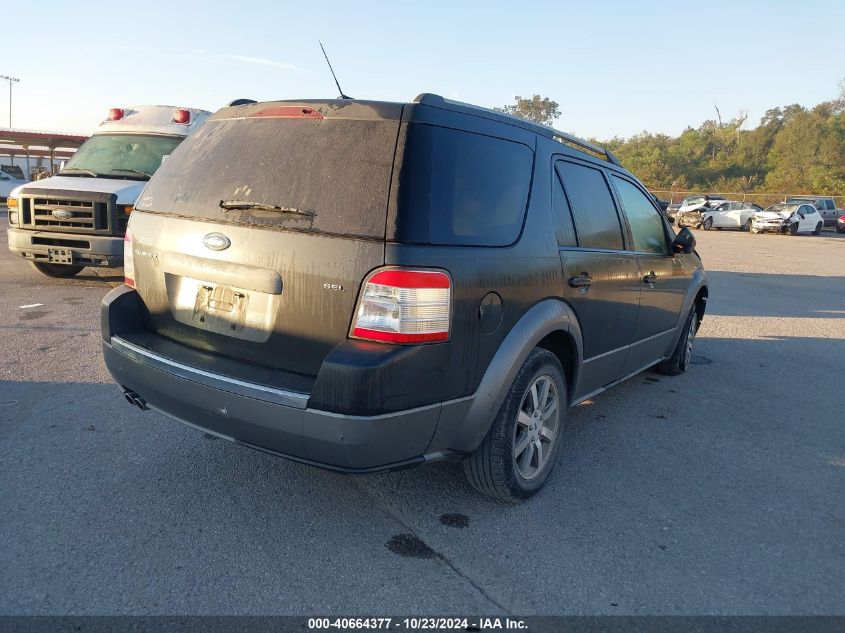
732,461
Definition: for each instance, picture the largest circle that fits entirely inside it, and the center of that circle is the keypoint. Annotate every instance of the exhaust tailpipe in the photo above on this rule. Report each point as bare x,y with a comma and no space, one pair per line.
134,399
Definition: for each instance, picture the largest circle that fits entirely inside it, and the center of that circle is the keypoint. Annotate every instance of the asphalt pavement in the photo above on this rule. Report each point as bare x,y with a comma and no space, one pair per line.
721,491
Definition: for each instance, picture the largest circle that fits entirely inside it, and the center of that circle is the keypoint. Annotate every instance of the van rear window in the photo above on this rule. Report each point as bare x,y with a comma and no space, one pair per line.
332,176
460,188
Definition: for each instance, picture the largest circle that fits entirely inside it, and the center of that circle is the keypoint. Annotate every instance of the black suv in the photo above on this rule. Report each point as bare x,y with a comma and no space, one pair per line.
367,286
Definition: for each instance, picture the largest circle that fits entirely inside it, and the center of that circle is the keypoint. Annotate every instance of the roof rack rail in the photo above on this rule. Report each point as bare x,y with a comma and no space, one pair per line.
569,140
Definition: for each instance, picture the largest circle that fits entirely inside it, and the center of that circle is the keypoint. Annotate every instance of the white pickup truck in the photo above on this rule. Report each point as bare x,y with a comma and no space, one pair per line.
78,218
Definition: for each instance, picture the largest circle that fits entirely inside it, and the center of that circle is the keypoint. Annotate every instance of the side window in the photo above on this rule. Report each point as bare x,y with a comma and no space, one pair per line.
563,214
592,206
646,224
736,206
828,204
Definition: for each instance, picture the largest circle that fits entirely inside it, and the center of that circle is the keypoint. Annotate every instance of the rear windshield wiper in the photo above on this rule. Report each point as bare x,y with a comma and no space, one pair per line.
88,172
135,171
239,205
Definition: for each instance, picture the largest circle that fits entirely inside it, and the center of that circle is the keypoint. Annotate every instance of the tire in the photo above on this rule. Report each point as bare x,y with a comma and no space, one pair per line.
840,229
818,229
59,271
793,228
493,469
680,359
747,226
707,224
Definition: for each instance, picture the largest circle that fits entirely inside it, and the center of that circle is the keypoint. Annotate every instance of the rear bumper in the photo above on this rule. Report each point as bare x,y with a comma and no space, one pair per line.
262,416
87,250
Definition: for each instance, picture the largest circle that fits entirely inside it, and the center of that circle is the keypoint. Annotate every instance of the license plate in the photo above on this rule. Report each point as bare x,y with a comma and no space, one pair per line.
59,256
220,308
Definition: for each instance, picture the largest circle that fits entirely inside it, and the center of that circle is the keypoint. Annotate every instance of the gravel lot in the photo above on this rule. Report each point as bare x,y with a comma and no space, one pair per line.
719,491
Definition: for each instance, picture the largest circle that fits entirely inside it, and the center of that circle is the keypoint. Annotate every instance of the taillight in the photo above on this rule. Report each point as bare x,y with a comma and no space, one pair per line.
289,112
398,305
181,116
115,114
128,261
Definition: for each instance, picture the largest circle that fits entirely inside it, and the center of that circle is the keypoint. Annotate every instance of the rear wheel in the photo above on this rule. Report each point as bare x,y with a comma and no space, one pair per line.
519,452
818,229
680,359
708,224
57,270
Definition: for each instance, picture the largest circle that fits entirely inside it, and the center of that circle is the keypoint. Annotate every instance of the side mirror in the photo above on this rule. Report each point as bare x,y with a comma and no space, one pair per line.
684,242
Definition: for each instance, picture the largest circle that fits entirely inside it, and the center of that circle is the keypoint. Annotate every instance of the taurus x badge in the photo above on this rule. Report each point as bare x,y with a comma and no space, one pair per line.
216,241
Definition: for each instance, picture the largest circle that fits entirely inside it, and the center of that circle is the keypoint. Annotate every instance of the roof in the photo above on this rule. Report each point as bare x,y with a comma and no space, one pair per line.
35,138
580,144
153,119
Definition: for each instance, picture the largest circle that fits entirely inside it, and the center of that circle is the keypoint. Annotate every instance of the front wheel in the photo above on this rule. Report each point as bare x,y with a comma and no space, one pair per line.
747,226
818,229
59,271
519,451
708,224
793,228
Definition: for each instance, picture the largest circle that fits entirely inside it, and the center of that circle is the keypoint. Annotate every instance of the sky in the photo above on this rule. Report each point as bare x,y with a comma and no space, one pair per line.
617,68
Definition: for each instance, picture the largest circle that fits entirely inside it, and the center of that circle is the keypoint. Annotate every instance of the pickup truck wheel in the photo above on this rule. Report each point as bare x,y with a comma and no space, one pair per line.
57,270
818,229
680,359
519,452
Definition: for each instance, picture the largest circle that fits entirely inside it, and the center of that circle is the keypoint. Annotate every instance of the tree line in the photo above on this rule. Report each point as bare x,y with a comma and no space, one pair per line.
793,149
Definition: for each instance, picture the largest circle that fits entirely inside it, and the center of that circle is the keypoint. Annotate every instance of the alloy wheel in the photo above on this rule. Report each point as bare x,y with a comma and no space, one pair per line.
536,427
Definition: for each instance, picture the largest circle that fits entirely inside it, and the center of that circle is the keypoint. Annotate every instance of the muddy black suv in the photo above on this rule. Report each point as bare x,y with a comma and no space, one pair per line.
367,286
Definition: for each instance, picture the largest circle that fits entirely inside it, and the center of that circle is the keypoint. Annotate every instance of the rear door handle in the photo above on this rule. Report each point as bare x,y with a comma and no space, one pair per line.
581,281
650,278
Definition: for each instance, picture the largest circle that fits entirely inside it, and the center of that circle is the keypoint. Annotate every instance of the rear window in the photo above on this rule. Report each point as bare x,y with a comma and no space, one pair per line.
334,173
461,188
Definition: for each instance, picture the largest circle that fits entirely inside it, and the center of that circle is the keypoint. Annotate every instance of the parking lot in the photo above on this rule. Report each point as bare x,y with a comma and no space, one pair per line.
717,492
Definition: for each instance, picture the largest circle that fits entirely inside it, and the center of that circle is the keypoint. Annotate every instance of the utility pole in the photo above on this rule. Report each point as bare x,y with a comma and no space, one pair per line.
10,80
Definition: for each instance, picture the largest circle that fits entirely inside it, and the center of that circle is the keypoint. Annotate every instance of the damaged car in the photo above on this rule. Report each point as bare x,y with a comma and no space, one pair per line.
692,209
788,218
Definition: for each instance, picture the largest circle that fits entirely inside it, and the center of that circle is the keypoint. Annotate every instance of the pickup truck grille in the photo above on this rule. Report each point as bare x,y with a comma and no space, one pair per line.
69,214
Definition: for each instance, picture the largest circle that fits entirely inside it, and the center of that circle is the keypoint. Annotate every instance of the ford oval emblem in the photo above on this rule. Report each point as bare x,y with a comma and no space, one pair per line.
216,241
62,214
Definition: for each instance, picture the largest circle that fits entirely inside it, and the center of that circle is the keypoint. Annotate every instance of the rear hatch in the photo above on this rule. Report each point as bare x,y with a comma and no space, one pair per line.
253,238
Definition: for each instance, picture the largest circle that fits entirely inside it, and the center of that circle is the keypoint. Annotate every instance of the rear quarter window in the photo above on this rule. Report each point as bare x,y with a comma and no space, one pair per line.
460,188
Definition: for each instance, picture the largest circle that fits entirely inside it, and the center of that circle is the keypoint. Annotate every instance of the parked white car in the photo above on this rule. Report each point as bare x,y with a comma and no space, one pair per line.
7,183
788,218
729,215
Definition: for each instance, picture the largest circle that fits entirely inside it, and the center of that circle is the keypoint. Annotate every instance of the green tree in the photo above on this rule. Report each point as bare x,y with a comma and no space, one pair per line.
538,109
